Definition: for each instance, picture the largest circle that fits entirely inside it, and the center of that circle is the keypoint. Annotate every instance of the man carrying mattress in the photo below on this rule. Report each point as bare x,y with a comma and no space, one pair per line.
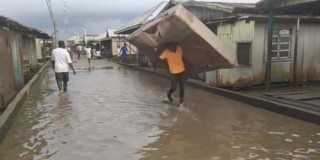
173,54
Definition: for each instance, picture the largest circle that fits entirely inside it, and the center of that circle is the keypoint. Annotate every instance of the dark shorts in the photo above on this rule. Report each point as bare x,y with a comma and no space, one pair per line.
62,76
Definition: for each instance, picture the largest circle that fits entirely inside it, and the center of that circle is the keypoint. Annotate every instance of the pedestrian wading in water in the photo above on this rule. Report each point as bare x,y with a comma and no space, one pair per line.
60,62
173,54
87,51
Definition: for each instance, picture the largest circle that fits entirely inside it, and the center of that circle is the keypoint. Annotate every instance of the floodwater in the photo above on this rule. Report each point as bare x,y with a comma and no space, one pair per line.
118,114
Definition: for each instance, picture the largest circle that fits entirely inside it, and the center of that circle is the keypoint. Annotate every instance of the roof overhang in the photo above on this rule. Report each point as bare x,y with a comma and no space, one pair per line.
136,23
264,18
7,23
209,5
283,4
128,30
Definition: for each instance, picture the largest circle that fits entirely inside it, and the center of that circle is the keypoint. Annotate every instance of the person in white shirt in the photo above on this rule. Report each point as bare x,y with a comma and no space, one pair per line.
88,54
79,50
60,62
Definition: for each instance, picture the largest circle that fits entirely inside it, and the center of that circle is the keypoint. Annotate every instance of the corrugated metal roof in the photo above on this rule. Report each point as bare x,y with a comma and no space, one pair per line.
101,36
139,21
152,13
14,25
222,6
108,34
239,5
73,38
264,18
210,5
111,33
267,4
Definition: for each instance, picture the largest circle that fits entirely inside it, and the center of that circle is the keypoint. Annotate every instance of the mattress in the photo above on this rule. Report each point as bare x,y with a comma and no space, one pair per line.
202,49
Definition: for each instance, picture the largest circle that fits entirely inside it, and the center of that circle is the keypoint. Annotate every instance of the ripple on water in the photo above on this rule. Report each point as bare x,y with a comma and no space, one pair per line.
118,114
260,152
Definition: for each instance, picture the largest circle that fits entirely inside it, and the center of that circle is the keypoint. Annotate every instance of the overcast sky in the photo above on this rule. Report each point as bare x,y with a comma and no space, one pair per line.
96,15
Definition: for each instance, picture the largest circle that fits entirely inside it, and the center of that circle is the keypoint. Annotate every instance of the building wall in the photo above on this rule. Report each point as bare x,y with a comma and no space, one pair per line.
231,34
207,14
308,55
309,52
281,70
115,42
257,60
17,52
110,46
7,80
2,101
28,51
17,58
38,48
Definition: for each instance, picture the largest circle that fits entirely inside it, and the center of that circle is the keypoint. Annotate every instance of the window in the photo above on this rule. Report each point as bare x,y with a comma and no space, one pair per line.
243,54
281,44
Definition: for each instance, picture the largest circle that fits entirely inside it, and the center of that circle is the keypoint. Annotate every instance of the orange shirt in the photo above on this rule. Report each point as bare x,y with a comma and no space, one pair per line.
174,60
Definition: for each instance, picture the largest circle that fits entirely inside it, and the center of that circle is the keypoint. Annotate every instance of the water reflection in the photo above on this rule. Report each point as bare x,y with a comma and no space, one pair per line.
118,114
216,129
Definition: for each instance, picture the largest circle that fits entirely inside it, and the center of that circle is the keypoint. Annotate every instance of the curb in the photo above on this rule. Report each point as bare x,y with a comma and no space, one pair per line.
270,105
8,116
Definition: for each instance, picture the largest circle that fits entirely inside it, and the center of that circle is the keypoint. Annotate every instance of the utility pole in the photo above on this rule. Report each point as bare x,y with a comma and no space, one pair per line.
85,35
65,21
55,31
296,53
78,36
269,59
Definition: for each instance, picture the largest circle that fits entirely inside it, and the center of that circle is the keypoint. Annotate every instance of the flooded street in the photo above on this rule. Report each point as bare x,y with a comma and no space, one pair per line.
118,114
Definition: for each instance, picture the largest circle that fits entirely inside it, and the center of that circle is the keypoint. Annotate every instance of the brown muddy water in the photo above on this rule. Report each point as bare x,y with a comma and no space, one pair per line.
118,114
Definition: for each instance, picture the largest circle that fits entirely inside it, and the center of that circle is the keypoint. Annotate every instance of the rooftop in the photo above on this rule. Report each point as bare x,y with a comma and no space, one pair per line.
136,23
310,7
139,21
8,23
108,34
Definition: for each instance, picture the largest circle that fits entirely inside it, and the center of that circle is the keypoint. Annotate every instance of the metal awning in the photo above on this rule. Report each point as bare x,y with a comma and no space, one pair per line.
230,8
16,26
136,23
129,29
298,6
264,18
281,3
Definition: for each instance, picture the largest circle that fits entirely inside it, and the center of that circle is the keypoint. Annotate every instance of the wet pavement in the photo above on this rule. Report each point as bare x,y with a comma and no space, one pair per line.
118,114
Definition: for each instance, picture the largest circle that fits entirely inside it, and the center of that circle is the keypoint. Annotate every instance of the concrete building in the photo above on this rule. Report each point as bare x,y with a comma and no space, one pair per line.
18,55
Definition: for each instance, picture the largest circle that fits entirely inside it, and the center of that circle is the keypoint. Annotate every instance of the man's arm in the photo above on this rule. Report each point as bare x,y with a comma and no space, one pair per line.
158,60
163,55
71,66
52,62
69,61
